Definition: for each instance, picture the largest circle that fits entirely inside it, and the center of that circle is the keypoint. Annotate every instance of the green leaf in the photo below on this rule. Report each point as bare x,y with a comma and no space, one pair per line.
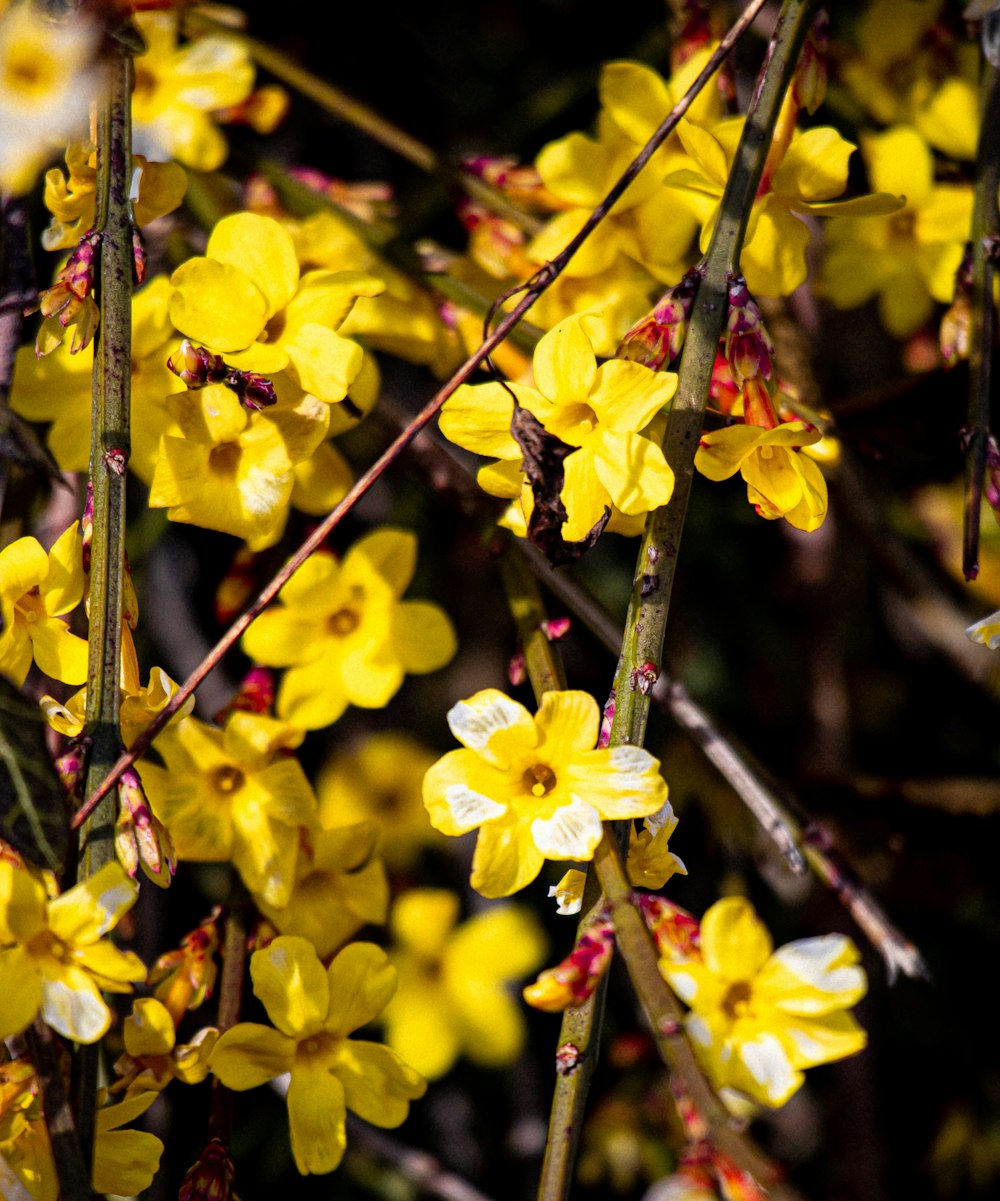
34,816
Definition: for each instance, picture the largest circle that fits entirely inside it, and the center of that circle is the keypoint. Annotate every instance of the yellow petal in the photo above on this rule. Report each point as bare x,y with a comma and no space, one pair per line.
316,1115
217,304
506,858
362,981
72,1003
94,906
564,365
494,726
378,1085
149,1029
734,941
423,636
20,991
461,792
263,251
250,1054
290,981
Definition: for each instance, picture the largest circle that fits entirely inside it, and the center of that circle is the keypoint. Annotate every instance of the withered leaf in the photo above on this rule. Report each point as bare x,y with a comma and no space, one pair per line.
34,816
543,465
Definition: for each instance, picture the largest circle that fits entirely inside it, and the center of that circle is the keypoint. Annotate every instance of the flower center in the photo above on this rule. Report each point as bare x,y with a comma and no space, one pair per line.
904,225
343,622
224,459
145,83
316,1046
539,779
228,780
736,1003
274,328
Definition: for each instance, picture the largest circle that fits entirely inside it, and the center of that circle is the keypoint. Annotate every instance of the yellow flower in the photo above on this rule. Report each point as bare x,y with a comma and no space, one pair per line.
453,996
245,300
650,862
35,590
234,794
138,708
759,1016
314,1011
345,635
125,1161
803,182
534,785
380,780
780,481
57,387
232,470
73,201
178,88
340,886
600,410
909,259
152,1057
45,87
53,958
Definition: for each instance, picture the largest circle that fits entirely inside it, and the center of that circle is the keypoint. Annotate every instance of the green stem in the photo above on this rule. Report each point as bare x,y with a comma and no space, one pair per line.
985,248
580,1031
234,962
110,448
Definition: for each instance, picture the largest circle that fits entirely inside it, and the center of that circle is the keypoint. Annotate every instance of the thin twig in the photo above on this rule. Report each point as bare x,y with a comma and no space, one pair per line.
418,1167
985,248
234,961
534,288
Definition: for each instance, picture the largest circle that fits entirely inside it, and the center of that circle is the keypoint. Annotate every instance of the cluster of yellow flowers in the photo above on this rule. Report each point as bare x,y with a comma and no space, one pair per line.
247,362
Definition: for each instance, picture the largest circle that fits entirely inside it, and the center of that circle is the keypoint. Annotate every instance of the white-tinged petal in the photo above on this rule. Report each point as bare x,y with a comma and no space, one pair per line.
572,832
767,1062
470,809
493,725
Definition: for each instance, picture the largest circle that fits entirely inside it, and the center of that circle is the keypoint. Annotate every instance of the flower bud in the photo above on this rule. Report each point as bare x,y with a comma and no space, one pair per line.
574,980
140,838
196,366
211,1177
657,339
676,932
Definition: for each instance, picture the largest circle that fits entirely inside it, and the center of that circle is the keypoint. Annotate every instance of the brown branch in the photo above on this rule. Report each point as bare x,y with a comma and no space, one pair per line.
71,1169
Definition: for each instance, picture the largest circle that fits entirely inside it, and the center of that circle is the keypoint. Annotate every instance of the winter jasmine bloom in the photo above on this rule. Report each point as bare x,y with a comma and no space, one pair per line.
234,794
453,996
36,589
908,259
812,171
650,862
246,300
232,470
602,411
380,780
535,787
344,633
314,1010
152,1057
45,87
54,959
781,482
56,388
158,188
759,1016
177,88
340,886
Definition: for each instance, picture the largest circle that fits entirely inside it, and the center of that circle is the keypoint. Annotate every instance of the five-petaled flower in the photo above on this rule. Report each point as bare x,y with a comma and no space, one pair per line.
759,1016
781,482
345,635
315,1009
453,995
535,786
36,589
54,959
601,411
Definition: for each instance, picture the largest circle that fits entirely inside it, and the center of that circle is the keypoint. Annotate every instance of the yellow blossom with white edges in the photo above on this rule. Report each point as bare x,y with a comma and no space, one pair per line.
454,981
601,411
36,589
234,794
650,862
759,1016
345,635
314,1010
54,959
535,787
